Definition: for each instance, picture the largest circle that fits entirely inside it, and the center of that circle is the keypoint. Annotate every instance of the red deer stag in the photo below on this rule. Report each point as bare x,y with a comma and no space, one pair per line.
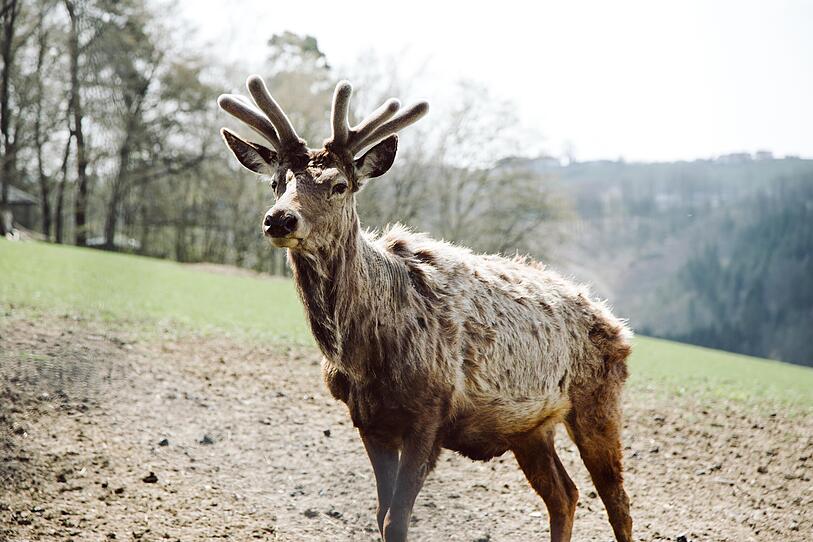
429,345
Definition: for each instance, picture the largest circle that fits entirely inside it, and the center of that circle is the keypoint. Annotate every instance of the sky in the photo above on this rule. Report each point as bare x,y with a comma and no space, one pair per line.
642,81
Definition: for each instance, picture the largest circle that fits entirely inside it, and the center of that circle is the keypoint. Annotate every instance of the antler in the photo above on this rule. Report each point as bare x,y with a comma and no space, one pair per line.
379,124
272,123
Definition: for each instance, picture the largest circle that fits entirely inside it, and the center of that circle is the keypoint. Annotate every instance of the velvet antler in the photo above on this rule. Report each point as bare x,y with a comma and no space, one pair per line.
378,125
270,121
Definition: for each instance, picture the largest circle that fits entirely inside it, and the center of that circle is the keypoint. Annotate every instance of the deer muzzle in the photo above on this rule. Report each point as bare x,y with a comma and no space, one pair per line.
282,226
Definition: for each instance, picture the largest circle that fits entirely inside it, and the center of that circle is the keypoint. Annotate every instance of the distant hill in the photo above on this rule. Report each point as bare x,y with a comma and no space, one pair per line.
712,252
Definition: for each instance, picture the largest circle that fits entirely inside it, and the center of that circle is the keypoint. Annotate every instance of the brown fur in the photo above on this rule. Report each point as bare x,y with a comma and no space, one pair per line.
431,346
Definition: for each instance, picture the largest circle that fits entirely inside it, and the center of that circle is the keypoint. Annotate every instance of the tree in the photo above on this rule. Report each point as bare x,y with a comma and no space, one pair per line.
47,117
9,18
449,184
132,60
81,203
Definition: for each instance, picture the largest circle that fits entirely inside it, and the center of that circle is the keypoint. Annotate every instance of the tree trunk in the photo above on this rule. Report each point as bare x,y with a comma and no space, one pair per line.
145,230
60,193
120,183
80,205
45,201
9,19
45,196
116,193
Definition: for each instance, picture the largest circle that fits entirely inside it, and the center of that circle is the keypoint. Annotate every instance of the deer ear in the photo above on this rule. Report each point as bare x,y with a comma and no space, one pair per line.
377,160
252,156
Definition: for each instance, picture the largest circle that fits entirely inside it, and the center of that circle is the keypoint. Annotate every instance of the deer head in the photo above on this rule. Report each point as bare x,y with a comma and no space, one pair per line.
314,188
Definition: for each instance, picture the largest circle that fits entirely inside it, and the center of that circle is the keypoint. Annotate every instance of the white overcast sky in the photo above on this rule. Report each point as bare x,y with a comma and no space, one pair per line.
649,80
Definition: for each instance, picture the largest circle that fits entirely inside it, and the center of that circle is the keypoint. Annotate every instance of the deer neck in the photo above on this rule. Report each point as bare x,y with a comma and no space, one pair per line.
345,289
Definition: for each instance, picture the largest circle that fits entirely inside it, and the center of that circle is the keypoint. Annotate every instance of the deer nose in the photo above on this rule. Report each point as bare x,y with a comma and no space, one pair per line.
279,223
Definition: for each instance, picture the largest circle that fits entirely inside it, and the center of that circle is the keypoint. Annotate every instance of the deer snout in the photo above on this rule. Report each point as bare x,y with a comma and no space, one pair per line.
279,223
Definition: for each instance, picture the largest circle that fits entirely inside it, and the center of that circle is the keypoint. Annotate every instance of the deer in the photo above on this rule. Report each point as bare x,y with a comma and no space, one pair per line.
428,344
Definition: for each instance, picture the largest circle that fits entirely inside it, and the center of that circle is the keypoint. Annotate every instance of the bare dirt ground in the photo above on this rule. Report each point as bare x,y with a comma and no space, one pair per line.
107,435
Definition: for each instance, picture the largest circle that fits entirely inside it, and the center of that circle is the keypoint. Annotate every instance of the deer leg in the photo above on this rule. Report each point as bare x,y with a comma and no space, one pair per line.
418,456
538,460
385,467
594,426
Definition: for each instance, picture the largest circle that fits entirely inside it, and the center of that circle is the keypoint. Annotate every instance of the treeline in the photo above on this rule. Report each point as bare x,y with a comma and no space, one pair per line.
751,289
101,113
111,121
712,252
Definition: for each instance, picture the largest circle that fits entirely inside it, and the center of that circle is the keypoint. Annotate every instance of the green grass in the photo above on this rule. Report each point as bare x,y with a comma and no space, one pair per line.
145,291
139,290
683,369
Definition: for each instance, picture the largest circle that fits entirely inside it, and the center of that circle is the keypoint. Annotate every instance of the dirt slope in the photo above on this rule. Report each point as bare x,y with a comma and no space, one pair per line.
256,448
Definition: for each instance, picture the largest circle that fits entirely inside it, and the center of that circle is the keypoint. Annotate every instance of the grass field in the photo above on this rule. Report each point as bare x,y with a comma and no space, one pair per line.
141,290
144,292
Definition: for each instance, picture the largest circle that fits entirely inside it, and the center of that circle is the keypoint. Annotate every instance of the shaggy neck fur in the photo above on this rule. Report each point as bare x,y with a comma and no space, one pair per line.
346,288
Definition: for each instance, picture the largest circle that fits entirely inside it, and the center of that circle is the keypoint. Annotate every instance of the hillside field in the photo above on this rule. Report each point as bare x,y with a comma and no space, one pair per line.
103,355
148,292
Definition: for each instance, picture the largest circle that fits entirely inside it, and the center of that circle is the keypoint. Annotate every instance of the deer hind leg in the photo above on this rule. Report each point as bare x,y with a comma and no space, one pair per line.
594,425
538,460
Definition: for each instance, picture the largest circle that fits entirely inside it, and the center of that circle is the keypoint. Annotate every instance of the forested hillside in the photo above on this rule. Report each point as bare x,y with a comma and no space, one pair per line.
712,252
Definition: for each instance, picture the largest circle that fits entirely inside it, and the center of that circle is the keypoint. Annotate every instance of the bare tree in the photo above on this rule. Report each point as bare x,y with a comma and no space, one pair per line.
42,128
81,202
9,19
134,72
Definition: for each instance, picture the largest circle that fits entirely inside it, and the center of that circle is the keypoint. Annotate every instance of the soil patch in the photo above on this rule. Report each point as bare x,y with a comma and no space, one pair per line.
107,436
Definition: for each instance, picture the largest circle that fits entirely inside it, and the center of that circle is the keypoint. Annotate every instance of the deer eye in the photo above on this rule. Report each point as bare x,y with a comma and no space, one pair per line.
273,185
339,188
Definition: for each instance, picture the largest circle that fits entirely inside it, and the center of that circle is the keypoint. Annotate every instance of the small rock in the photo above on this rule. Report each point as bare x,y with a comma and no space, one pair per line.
485,538
111,536
37,509
207,440
310,513
163,442
151,478
335,514
22,518
118,490
681,538
297,492
592,495
326,432
762,469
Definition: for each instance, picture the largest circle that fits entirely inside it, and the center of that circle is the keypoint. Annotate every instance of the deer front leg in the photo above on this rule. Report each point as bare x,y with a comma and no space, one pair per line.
418,456
384,459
